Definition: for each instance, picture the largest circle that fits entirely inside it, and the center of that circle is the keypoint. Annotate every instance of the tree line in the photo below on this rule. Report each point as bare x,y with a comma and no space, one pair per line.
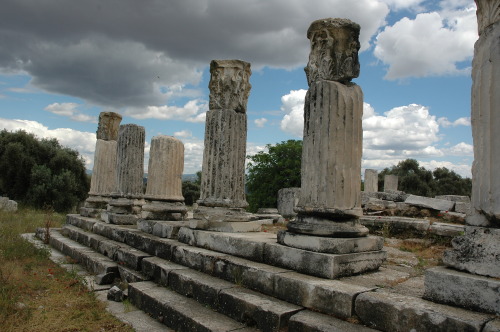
40,172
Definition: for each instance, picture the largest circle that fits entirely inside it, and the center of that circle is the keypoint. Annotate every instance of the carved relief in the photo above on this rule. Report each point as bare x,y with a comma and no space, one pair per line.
488,12
334,50
229,85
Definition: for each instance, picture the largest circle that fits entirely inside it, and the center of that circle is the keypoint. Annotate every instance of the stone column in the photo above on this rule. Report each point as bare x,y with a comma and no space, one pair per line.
477,252
330,196
371,181
390,183
103,180
125,207
222,192
164,200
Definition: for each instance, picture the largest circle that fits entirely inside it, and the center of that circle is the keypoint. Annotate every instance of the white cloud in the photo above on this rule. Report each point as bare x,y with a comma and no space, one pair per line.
192,111
403,4
444,122
83,142
260,122
460,149
70,110
183,134
432,44
463,170
293,106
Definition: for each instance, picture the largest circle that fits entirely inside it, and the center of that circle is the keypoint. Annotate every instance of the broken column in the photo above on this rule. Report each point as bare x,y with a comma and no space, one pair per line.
103,180
329,206
125,207
164,200
222,192
472,276
371,181
390,183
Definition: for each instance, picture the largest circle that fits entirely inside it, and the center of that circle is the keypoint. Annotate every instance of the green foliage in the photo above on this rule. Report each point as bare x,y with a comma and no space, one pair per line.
40,172
191,190
271,171
414,179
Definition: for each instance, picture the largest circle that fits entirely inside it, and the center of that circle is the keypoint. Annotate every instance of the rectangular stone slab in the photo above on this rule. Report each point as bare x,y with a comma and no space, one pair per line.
329,266
331,245
312,321
462,289
394,312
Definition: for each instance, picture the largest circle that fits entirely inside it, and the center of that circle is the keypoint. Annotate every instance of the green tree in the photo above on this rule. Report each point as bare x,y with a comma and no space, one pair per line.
415,179
270,171
41,172
191,190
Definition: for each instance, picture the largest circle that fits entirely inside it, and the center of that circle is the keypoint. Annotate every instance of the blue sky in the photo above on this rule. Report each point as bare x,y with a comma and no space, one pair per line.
61,63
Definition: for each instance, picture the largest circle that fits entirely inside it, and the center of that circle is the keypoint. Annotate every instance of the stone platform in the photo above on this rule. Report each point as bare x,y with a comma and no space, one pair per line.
247,294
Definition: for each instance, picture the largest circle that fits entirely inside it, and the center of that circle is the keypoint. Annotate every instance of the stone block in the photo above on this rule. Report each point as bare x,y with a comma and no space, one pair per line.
252,275
328,266
267,211
160,228
315,322
115,294
80,222
430,203
177,311
158,269
374,204
223,214
492,326
287,201
454,198
129,275
246,245
197,285
450,230
196,258
331,245
121,219
264,312
10,206
463,207
396,224
392,195
476,252
130,257
331,297
394,312
462,289
371,180
226,226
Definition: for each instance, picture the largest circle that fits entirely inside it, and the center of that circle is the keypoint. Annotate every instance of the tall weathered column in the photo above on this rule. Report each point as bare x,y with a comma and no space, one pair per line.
103,180
222,192
125,207
477,252
164,200
330,196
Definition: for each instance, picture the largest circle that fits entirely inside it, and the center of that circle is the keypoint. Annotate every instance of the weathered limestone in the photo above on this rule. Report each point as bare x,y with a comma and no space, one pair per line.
478,251
222,192
8,205
287,201
390,183
371,180
103,180
125,207
430,203
330,196
164,200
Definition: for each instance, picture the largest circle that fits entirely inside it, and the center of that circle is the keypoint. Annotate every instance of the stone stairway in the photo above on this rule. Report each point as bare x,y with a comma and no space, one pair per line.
196,289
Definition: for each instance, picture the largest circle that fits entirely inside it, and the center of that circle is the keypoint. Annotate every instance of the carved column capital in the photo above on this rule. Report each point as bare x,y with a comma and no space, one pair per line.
334,50
109,123
488,12
229,85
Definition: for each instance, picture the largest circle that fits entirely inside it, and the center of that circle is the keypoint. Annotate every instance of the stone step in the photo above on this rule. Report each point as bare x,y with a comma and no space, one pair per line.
117,251
105,269
311,321
395,312
180,312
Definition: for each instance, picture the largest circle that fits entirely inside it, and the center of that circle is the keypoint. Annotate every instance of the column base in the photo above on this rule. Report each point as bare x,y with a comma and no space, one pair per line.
222,219
473,292
123,211
94,205
164,210
322,226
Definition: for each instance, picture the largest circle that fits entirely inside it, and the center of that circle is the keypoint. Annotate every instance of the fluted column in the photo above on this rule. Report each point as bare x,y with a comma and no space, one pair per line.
126,205
223,171
164,200
103,180
130,161
330,195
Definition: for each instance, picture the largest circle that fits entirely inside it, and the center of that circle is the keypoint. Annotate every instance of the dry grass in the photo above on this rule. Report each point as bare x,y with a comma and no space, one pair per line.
35,293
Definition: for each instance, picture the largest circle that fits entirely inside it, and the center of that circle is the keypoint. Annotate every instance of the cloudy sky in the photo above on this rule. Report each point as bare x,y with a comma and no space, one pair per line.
63,62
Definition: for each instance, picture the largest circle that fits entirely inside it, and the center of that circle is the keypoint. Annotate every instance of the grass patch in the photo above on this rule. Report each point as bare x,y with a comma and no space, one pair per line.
35,293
